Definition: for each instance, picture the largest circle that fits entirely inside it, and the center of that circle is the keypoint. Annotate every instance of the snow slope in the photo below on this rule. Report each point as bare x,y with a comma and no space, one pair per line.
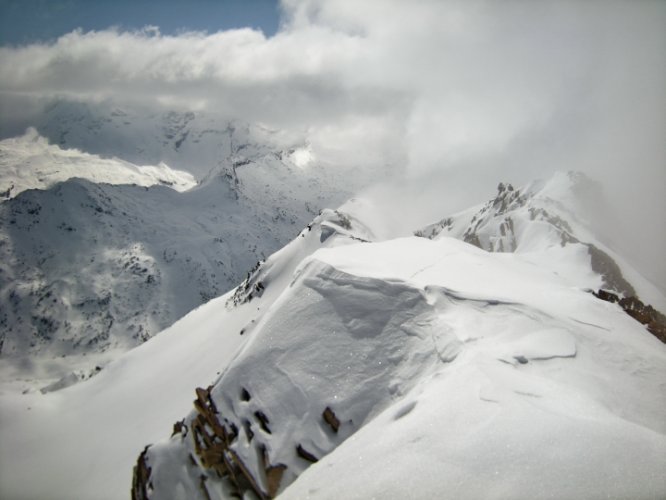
409,368
520,406
30,162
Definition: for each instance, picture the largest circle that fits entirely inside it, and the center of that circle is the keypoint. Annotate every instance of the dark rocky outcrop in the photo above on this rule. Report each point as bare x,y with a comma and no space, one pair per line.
604,265
641,312
141,485
213,452
213,436
305,454
250,288
330,418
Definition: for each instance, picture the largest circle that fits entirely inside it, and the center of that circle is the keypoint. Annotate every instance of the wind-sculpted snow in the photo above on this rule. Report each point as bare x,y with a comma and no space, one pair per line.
313,352
367,346
331,224
132,400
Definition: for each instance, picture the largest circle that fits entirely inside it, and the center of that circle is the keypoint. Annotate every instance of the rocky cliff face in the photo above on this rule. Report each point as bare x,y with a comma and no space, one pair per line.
645,314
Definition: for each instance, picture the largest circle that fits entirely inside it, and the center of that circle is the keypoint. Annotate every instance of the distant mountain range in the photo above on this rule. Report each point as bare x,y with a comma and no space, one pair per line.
196,142
99,254
31,162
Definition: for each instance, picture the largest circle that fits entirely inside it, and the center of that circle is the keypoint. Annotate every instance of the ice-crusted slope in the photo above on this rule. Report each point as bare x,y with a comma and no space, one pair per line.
30,162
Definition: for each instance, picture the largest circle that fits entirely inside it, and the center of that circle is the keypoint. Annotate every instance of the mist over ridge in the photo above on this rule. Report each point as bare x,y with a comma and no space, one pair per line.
451,97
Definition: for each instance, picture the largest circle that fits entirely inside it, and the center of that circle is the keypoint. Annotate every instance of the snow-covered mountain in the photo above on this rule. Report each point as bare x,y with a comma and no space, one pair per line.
194,141
346,367
30,162
556,217
100,265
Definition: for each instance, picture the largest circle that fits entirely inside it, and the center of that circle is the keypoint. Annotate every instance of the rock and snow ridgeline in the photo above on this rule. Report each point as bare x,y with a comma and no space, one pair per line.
538,218
417,364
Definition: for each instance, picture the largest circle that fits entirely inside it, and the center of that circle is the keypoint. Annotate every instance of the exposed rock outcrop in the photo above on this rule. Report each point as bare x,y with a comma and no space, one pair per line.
643,313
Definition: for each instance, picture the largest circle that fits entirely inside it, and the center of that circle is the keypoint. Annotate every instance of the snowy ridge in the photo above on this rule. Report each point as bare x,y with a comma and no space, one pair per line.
545,212
547,217
30,162
373,342
342,351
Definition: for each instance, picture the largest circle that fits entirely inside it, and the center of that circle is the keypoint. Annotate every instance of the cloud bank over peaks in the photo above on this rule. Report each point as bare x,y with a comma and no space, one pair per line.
453,82
468,91
294,80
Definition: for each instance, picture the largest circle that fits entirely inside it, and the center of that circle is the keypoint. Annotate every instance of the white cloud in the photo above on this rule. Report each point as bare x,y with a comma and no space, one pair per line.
481,91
